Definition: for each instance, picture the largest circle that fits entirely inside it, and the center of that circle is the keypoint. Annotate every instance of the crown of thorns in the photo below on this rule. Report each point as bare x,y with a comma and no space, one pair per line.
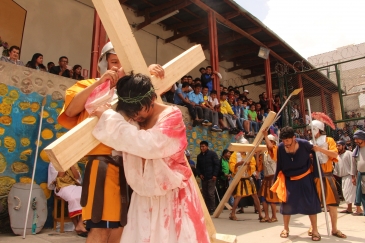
136,99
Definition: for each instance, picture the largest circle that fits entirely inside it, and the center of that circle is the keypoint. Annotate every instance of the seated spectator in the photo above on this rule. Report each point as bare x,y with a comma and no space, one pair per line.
252,117
238,112
227,112
76,72
14,52
181,98
50,65
243,118
37,62
67,185
62,68
196,100
211,113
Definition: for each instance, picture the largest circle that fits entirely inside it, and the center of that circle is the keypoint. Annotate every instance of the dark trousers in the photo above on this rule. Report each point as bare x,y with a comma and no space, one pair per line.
208,194
191,110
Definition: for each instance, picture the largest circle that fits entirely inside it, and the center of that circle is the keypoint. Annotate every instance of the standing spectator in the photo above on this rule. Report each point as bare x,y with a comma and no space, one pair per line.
62,68
207,78
307,117
37,62
224,175
181,98
50,65
191,162
358,168
343,170
264,102
202,70
76,72
14,52
207,167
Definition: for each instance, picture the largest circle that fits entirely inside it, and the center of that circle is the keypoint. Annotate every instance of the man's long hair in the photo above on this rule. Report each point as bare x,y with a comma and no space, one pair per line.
135,91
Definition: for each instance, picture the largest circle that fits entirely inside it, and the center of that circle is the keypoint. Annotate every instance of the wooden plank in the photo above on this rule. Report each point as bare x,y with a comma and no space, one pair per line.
239,147
63,156
267,123
121,35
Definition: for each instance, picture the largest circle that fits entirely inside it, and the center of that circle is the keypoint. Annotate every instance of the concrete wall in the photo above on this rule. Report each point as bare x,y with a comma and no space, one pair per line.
57,28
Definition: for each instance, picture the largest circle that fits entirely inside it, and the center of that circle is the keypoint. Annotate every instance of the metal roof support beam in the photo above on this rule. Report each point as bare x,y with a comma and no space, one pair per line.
182,34
301,96
268,82
187,24
163,13
237,54
213,46
245,66
158,8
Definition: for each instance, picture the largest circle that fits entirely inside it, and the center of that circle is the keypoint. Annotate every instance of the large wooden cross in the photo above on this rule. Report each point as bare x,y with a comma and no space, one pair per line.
76,143
238,147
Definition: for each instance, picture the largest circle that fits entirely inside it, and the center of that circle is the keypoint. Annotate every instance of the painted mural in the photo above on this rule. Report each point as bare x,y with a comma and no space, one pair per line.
22,91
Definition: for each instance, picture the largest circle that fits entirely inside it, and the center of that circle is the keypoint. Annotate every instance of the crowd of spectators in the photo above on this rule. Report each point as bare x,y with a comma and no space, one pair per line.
234,111
37,63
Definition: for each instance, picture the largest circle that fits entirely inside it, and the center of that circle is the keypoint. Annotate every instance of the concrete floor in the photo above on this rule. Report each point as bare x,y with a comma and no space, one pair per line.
247,229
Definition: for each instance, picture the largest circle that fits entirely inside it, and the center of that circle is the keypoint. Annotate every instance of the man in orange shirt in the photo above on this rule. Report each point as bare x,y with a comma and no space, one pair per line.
104,190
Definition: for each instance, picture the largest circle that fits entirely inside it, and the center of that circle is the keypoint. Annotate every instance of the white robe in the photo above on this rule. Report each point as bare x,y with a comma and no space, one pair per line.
343,170
71,194
165,206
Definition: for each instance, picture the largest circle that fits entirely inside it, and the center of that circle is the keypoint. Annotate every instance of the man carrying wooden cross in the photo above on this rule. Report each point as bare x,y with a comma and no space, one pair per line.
104,192
165,206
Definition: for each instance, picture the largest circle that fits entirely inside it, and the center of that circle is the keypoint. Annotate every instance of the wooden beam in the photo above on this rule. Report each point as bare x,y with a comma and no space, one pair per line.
234,147
187,24
246,65
160,7
252,31
272,43
188,32
163,13
231,15
63,156
128,50
237,54
246,147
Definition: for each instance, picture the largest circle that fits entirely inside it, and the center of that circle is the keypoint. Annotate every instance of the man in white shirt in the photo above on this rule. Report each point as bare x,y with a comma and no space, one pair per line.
343,170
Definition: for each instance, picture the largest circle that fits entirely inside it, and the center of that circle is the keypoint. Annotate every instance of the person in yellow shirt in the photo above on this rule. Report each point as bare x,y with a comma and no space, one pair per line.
104,191
245,187
227,112
327,154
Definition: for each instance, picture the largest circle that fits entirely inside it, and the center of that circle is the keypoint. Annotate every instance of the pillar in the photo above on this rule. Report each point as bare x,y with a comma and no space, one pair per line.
213,46
268,82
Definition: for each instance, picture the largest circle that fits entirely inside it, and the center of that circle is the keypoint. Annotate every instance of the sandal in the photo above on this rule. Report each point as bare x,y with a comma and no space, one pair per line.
345,211
240,211
233,217
310,231
273,220
339,234
284,234
316,237
263,220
